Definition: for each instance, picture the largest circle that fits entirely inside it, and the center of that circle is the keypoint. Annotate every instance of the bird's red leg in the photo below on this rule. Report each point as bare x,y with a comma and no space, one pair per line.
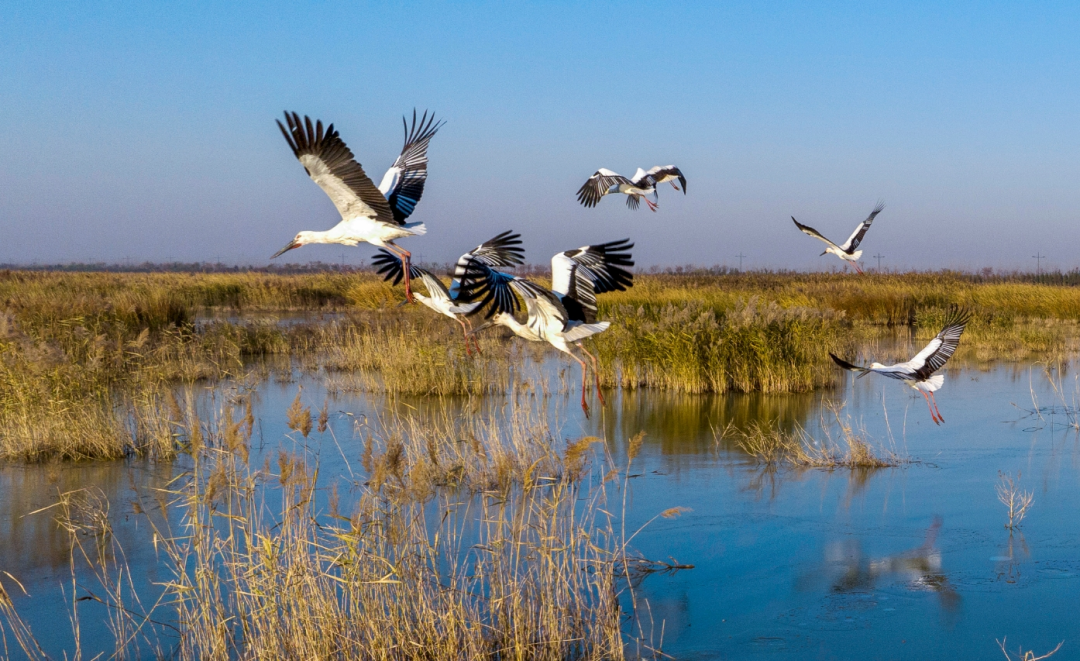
596,373
475,341
932,414
673,185
465,332
934,399
584,384
856,265
407,260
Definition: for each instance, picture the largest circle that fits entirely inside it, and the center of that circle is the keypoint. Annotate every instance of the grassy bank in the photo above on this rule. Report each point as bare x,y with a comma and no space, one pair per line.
87,359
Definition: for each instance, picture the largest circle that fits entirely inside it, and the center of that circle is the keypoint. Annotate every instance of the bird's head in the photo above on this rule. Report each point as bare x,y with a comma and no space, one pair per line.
301,239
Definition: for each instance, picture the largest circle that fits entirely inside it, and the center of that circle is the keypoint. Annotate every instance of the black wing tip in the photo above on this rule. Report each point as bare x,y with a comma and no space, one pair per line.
846,365
957,316
422,130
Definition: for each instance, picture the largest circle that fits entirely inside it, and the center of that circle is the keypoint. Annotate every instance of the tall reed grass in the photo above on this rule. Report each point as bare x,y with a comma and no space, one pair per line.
840,444
84,356
501,547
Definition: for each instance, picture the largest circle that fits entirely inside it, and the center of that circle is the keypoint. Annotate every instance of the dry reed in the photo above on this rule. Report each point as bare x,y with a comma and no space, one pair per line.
840,445
86,357
516,558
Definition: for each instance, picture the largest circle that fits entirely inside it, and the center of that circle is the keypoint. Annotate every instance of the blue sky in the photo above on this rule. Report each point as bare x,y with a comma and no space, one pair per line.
145,131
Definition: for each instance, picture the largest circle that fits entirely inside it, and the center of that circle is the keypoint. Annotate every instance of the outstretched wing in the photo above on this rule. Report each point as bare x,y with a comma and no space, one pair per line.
403,183
942,347
903,374
599,185
546,311
389,266
806,229
331,165
643,179
857,236
491,288
502,250
848,366
580,274
666,172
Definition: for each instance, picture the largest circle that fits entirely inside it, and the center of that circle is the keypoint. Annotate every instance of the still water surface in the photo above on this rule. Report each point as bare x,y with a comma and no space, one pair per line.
899,563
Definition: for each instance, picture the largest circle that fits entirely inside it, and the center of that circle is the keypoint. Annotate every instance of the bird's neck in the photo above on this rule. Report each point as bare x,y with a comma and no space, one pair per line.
336,234
518,328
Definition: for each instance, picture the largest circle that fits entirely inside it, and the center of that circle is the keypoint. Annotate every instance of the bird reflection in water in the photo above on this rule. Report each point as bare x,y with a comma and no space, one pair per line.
920,567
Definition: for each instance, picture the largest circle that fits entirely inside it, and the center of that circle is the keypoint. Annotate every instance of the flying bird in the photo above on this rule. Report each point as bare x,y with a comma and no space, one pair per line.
503,250
639,187
918,373
371,214
846,251
662,174
566,314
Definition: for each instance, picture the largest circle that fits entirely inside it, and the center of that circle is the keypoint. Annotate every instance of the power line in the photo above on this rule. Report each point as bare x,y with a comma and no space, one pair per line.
740,256
879,257
1038,257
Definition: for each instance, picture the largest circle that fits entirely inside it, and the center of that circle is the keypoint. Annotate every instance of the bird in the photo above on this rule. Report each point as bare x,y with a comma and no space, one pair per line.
566,314
918,373
371,214
668,174
637,188
503,250
847,251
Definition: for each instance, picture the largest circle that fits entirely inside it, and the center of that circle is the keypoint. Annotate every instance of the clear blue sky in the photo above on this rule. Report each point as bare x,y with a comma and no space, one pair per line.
146,131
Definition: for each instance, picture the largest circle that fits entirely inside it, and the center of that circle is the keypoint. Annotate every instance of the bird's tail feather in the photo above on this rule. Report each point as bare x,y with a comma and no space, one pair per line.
936,381
415,228
856,255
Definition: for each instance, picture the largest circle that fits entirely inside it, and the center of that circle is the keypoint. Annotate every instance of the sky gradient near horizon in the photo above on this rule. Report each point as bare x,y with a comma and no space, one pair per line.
146,132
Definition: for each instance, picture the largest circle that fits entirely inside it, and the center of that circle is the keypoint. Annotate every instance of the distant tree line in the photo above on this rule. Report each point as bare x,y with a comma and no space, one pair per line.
986,274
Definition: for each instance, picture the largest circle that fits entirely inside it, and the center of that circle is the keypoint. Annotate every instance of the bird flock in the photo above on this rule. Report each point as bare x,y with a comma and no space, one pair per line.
564,315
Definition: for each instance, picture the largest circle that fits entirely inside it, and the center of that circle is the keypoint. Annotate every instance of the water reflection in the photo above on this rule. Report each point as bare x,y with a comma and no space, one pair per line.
1009,564
919,568
33,542
751,528
684,424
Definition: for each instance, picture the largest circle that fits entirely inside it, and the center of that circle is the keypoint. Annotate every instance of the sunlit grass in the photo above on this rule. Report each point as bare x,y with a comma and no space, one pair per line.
500,547
82,355
838,444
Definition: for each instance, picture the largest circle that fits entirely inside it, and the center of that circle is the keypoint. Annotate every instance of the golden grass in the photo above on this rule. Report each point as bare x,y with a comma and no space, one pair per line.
839,445
517,558
84,356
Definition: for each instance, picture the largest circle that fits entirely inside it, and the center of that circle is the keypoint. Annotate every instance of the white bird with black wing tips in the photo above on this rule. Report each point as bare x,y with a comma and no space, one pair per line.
847,250
639,187
503,250
369,214
918,373
668,174
566,314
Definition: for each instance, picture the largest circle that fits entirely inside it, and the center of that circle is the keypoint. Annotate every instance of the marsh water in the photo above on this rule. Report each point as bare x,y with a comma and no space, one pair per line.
788,563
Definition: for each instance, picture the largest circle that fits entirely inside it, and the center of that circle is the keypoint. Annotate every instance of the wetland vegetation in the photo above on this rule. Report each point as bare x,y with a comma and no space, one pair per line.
88,359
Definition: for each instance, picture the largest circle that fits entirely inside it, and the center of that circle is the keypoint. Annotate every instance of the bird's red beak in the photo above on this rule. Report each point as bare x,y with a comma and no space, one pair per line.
292,244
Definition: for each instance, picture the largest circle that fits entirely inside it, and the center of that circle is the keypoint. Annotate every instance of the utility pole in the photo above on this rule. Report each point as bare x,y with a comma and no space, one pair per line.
740,256
1038,257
